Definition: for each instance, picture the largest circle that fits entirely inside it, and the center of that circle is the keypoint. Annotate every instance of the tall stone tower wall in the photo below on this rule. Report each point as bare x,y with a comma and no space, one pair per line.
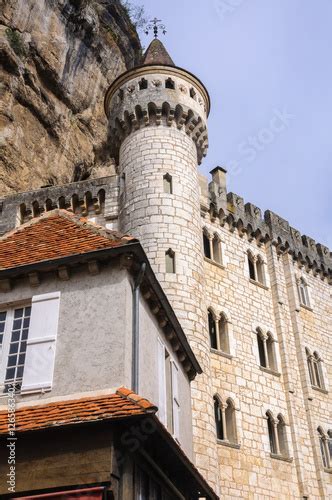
157,119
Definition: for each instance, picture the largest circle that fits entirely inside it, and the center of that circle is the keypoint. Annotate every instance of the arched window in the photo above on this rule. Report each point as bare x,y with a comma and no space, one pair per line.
260,270
223,334
206,244
271,354
143,84
329,444
169,84
168,187
251,265
170,261
317,371
282,436
261,347
230,422
271,432
303,292
310,366
212,330
218,418
216,249
324,449
35,209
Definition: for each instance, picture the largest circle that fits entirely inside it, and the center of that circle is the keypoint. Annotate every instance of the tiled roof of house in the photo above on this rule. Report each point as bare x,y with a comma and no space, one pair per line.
157,54
124,403
54,235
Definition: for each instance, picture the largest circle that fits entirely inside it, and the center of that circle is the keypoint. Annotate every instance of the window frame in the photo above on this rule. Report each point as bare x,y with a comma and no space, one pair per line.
6,345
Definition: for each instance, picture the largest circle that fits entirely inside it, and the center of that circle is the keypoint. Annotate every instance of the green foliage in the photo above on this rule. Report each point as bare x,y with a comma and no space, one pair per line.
15,41
136,13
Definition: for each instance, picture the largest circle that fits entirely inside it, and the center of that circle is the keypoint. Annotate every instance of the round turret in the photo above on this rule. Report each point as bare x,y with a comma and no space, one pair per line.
157,92
157,116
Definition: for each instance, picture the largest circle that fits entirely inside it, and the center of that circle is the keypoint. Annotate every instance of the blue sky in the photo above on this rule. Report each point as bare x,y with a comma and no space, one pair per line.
267,67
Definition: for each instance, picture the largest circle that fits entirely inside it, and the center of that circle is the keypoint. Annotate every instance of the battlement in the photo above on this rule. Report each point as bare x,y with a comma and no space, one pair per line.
97,198
248,220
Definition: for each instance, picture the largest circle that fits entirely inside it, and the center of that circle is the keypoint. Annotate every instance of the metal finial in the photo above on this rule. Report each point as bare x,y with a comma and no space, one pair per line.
155,25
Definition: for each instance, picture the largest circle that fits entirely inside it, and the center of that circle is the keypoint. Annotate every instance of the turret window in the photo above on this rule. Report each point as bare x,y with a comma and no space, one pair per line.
168,185
170,261
169,84
192,93
143,84
206,244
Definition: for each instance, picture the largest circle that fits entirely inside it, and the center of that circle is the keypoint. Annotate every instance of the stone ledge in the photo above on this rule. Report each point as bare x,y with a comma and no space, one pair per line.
236,446
280,457
268,370
254,282
308,308
221,353
214,263
328,470
319,389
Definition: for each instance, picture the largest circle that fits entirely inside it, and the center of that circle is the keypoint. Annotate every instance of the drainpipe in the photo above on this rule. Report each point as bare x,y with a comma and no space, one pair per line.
135,337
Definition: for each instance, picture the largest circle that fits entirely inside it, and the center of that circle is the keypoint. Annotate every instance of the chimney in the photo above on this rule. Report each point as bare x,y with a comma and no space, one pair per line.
219,177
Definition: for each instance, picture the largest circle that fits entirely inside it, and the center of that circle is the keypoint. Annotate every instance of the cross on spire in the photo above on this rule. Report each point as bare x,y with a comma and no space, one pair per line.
155,25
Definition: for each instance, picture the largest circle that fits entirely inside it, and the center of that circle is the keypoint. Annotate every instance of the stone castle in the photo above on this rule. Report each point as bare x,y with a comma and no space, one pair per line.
252,294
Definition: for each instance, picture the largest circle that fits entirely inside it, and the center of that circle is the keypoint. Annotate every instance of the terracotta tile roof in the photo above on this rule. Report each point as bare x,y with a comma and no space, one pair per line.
53,235
124,403
157,54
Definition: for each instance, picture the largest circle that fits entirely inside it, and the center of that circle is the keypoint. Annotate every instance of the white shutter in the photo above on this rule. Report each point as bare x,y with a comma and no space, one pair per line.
40,355
176,401
162,383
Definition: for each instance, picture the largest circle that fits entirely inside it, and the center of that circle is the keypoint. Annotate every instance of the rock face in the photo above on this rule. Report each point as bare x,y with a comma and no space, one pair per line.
59,57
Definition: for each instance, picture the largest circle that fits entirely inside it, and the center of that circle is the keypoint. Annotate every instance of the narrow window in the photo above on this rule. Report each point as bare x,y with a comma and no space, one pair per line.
310,367
17,347
260,271
303,293
169,393
218,418
192,93
168,187
223,334
271,355
35,209
316,361
251,265
282,437
143,84
272,438
329,443
323,448
261,348
169,84
206,244
170,261
212,330
216,248
230,422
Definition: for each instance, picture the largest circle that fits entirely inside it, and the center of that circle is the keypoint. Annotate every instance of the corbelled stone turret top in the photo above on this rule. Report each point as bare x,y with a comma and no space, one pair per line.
157,54
154,94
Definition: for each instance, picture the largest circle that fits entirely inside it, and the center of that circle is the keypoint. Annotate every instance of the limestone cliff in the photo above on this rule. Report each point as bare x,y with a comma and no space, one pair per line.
58,58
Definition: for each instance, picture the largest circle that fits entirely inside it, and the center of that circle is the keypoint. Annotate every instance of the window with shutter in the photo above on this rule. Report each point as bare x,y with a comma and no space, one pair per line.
40,349
175,400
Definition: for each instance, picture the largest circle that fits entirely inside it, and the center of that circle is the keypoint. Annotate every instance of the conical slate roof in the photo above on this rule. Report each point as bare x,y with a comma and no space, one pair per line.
157,54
